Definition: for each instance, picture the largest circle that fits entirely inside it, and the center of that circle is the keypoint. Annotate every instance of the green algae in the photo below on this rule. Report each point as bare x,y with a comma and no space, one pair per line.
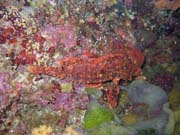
95,92
174,97
171,123
111,128
124,99
129,119
172,68
96,115
177,119
66,87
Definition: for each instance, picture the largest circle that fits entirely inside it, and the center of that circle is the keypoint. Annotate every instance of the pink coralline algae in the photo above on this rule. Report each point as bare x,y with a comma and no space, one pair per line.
3,82
70,101
3,99
64,34
128,2
165,81
60,101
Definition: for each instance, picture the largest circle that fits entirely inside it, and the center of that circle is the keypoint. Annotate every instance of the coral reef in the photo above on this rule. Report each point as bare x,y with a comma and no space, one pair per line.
82,54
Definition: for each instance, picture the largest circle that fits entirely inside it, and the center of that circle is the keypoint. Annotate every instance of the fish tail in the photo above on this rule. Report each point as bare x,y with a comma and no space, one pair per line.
51,71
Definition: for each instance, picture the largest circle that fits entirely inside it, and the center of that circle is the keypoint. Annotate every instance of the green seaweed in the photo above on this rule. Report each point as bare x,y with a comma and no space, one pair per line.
95,92
177,119
174,97
110,128
171,123
96,115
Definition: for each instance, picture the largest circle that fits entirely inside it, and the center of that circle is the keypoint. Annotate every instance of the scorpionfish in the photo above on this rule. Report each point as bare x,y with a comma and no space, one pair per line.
113,66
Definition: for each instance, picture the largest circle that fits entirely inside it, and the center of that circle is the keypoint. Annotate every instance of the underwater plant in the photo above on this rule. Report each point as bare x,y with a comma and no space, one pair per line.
96,115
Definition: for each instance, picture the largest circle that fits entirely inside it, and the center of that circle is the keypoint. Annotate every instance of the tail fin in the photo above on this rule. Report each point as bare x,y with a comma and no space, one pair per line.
51,71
